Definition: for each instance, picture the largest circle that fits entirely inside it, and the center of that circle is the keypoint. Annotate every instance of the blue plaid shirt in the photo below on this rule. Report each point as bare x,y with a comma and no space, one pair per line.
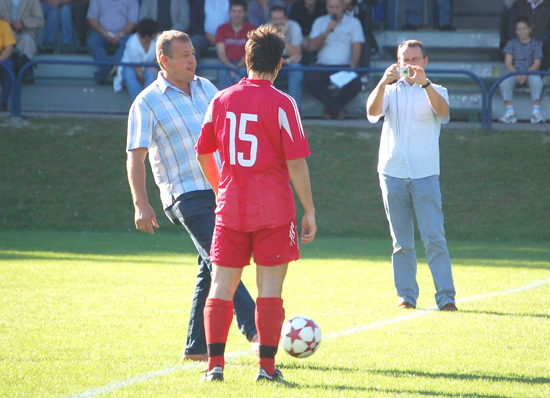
167,122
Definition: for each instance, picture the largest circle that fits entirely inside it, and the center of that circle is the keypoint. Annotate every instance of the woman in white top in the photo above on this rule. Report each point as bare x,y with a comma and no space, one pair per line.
140,48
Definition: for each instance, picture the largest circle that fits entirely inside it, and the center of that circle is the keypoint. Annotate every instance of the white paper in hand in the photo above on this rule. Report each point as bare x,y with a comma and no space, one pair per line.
340,79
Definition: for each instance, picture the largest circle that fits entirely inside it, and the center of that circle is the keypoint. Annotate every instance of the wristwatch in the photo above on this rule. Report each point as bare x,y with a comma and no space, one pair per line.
110,34
427,83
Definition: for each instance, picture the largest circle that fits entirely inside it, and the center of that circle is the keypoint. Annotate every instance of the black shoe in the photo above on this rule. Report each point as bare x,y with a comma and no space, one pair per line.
410,26
47,48
276,378
215,374
3,107
447,28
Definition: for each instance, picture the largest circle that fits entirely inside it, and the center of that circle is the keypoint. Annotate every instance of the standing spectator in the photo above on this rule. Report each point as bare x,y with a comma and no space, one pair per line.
170,14
444,11
305,12
522,54
230,41
140,48
408,167
26,19
58,12
112,21
363,12
258,11
165,121
206,17
292,54
338,38
7,43
256,212
538,12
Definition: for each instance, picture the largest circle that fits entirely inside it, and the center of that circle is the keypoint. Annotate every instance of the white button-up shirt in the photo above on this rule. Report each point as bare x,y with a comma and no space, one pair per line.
409,145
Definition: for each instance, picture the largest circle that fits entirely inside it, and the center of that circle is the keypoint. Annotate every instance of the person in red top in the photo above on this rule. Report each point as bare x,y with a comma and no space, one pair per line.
262,145
230,41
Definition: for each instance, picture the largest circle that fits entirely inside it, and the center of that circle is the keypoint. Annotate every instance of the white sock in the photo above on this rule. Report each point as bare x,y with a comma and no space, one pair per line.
510,108
536,108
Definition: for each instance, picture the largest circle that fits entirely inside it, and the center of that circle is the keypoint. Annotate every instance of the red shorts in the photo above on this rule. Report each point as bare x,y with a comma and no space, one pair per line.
231,248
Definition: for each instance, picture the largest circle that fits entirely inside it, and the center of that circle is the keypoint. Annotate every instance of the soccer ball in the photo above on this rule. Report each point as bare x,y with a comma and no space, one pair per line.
301,336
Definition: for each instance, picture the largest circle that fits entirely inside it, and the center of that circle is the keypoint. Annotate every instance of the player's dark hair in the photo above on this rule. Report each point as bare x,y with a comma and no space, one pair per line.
277,9
264,49
412,43
147,27
241,3
524,19
165,40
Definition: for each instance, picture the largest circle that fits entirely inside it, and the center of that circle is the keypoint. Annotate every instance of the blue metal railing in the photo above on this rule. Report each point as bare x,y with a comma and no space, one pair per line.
9,70
486,98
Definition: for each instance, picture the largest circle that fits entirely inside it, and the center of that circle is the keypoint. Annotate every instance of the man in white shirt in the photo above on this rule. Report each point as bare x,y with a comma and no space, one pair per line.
338,38
408,165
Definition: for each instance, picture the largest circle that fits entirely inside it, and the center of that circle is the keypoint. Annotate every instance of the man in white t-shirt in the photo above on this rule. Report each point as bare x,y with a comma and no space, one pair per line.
292,54
206,17
338,39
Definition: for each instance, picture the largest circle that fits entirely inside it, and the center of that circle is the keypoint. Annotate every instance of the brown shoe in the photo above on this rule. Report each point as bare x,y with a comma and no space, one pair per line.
195,357
404,305
451,307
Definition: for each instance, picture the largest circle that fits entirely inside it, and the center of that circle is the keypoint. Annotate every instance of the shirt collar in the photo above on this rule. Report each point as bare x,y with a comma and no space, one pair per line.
165,84
533,5
257,82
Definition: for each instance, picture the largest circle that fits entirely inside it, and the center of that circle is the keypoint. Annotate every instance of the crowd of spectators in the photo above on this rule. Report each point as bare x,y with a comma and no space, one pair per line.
103,28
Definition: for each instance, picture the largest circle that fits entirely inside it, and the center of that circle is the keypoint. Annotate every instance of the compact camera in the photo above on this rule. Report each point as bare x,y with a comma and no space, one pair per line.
403,71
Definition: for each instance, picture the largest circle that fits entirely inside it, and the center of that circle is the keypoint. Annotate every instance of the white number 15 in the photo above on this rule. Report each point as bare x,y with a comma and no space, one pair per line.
243,136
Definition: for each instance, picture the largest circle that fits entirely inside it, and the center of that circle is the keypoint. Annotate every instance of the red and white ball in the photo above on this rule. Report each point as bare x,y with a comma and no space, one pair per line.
301,336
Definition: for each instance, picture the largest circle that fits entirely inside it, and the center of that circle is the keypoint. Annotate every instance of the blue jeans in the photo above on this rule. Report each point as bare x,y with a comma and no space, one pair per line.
97,47
55,16
228,77
401,197
195,212
414,10
5,80
295,79
132,83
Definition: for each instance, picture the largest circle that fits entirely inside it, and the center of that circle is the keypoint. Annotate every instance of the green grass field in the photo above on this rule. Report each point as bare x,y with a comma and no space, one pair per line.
105,315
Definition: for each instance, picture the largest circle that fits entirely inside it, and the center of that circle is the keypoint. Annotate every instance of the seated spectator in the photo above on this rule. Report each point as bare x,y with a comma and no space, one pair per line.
538,12
522,54
444,12
206,17
81,27
25,20
57,13
338,38
305,12
230,40
292,54
170,14
111,22
257,12
140,48
7,43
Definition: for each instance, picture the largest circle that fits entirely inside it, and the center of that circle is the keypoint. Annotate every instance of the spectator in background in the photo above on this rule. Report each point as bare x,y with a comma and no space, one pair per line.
292,54
338,38
80,10
170,14
7,43
25,19
111,22
230,41
57,13
305,12
362,10
522,54
444,12
140,48
206,17
258,11
538,12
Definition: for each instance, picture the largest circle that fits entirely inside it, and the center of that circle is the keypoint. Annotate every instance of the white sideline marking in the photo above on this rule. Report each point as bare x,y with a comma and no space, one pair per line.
152,375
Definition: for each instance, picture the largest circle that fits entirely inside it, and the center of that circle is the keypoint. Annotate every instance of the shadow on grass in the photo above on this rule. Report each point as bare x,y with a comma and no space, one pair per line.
508,314
416,373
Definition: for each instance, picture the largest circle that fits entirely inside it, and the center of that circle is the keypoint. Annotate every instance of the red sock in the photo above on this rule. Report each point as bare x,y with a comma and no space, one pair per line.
218,315
270,316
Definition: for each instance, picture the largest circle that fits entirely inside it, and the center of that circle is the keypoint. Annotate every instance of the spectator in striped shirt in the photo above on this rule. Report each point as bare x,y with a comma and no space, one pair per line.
165,121
522,54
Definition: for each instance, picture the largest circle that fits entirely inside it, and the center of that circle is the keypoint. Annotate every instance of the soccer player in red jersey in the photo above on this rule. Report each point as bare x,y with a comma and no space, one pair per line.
262,144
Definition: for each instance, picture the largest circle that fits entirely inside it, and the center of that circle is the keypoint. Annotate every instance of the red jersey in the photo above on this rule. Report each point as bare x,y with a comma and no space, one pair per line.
256,128
234,41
